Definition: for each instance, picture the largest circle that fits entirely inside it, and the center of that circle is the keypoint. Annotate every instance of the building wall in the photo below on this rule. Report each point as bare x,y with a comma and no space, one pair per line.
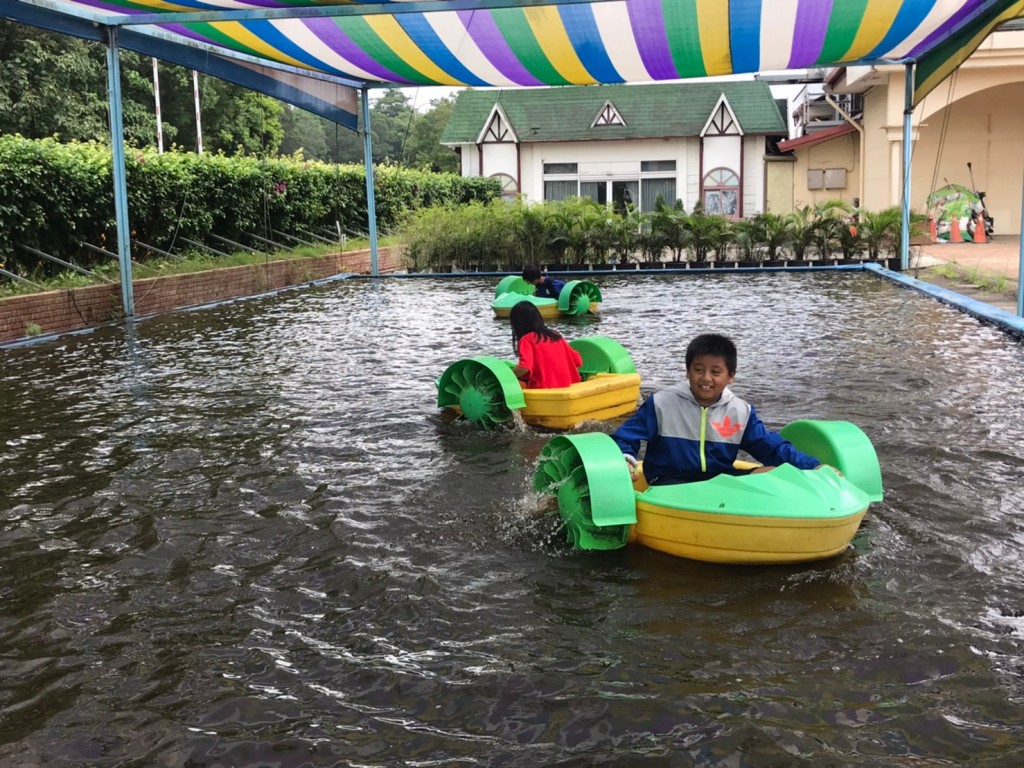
975,115
753,175
840,152
500,158
985,129
779,185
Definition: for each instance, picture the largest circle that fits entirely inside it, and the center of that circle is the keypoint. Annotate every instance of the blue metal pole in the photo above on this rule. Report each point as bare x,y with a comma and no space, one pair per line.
120,183
371,203
908,114
1020,261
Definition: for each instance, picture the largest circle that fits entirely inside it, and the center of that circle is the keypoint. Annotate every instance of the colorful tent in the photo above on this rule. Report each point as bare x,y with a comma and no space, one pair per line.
525,43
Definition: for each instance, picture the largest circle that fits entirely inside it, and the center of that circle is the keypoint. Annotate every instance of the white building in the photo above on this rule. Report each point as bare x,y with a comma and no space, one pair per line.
624,143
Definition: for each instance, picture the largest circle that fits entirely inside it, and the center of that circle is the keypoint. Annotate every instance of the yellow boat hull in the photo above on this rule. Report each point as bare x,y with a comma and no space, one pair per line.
604,396
547,311
726,538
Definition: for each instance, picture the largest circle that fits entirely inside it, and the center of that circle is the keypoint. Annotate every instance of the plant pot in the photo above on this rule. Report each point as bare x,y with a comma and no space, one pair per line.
773,263
798,263
724,264
699,265
652,265
602,267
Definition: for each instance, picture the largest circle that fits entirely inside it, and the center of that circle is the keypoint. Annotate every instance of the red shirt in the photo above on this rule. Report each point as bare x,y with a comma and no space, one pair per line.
551,364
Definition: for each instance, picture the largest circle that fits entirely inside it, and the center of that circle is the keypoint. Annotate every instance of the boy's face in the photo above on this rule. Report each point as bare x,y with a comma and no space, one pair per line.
708,377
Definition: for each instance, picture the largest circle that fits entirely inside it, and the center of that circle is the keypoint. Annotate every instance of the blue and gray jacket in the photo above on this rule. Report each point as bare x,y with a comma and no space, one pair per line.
687,442
549,288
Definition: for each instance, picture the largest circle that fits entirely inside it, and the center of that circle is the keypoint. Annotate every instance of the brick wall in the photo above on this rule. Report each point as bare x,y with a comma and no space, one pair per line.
76,308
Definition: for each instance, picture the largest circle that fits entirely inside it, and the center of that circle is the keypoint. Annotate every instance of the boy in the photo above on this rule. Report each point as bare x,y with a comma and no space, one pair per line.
695,429
547,287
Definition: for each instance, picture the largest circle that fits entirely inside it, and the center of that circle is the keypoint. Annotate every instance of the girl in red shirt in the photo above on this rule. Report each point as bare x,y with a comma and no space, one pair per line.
546,361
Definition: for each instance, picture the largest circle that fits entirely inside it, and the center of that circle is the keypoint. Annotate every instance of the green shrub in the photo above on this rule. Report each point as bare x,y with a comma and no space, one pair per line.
56,197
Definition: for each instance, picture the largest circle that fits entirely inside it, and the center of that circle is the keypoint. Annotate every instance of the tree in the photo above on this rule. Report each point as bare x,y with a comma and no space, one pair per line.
303,131
51,85
423,148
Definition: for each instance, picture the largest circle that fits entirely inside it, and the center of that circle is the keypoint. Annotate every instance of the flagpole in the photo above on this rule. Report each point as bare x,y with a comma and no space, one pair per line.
199,124
156,96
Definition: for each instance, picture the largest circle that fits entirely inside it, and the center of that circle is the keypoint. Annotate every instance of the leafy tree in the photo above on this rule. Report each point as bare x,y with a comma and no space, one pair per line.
303,131
423,148
51,85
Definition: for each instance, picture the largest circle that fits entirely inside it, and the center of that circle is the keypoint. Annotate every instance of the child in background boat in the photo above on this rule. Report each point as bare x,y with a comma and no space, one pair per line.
546,361
695,429
547,287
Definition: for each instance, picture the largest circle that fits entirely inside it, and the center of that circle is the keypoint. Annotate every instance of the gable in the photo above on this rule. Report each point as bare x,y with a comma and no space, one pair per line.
497,129
722,121
608,115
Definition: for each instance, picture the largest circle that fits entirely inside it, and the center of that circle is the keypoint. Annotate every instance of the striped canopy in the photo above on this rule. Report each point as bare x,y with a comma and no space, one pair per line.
514,43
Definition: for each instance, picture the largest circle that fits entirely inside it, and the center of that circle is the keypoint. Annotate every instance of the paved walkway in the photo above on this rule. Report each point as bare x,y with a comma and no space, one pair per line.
979,263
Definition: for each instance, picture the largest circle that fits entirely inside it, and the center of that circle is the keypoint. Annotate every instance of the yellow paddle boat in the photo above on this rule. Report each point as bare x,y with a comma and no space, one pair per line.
485,391
578,297
787,515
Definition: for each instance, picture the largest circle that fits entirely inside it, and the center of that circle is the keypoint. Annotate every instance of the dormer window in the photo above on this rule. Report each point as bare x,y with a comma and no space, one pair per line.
722,121
608,115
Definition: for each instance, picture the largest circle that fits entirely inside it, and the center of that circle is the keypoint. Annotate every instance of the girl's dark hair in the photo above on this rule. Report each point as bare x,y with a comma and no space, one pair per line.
526,319
531,274
713,344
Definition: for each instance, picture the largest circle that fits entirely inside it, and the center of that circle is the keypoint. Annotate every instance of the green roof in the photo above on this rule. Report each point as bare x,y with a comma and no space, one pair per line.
649,111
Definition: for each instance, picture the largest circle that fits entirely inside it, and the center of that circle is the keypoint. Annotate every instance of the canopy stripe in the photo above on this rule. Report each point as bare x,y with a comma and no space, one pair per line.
509,43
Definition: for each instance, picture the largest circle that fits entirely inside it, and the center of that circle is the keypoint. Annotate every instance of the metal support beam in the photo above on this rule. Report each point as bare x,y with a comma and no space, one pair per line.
908,116
371,203
67,264
120,181
20,279
1020,261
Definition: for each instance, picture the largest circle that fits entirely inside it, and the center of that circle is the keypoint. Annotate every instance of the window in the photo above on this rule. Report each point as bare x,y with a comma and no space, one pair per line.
559,168
722,193
509,186
652,189
657,166
657,180
560,190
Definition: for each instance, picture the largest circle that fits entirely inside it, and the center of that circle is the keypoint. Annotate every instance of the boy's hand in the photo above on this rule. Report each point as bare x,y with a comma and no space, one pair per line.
829,466
631,463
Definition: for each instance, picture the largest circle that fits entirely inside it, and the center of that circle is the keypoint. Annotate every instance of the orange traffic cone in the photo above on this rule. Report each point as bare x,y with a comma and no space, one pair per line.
979,229
932,235
954,230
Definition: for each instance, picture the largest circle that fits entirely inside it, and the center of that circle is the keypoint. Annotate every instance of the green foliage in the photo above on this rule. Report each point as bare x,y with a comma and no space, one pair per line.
507,236
56,197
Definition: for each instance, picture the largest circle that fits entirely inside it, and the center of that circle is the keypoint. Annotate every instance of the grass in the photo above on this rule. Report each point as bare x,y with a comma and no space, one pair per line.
189,263
973,276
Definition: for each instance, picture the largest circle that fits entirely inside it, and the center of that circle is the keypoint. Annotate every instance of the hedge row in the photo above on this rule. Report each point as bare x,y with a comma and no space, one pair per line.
497,235
56,197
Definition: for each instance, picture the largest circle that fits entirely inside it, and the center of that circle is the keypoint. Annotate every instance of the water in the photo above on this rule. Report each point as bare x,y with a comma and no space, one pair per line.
244,536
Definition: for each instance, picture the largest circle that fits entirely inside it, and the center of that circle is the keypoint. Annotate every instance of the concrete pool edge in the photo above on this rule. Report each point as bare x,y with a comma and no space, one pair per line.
978,309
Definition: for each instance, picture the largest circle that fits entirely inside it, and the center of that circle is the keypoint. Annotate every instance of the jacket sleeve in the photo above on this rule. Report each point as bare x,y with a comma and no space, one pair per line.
556,287
641,426
770,448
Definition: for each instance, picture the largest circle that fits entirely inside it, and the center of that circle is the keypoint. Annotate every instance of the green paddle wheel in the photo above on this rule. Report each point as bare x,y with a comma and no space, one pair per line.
483,389
577,296
591,481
